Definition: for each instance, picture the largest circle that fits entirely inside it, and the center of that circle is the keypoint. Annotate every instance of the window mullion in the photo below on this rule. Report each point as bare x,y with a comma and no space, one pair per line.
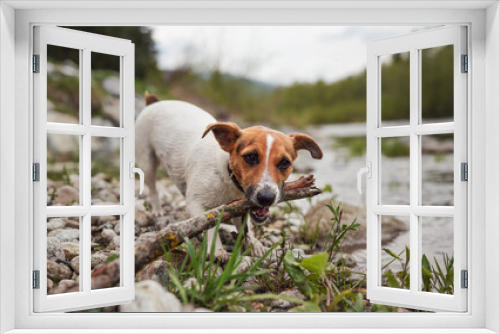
85,180
414,168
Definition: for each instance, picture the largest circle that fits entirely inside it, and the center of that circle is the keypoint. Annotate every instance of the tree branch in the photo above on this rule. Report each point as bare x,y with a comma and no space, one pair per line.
173,234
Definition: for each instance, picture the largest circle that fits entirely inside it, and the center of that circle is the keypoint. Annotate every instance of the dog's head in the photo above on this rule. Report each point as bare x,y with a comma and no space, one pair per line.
261,160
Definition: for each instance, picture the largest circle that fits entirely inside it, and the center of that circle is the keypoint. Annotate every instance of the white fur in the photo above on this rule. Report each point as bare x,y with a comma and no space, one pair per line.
266,180
170,133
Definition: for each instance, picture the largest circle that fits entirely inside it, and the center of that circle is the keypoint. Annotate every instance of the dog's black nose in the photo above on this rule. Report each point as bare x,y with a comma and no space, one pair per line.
266,197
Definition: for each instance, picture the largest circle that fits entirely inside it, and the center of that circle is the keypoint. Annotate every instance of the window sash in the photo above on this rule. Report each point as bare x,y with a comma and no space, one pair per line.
85,43
413,43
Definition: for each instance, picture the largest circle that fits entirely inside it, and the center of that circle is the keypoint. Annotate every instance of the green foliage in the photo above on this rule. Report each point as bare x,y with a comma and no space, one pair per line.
435,278
316,264
401,279
218,291
338,232
112,257
394,147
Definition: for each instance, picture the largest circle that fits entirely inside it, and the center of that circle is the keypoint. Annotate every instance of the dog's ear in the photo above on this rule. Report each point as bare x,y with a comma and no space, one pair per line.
225,133
304,142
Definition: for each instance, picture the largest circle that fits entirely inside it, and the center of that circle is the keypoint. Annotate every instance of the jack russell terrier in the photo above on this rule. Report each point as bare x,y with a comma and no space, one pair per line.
213,170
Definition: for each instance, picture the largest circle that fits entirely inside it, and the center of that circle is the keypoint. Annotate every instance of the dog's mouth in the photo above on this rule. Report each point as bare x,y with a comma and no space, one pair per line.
259,215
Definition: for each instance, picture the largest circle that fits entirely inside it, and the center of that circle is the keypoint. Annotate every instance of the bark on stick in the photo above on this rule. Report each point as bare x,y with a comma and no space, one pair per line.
173,234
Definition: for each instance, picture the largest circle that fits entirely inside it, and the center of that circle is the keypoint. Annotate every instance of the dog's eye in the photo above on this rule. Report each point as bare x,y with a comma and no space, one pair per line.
283,164
251,158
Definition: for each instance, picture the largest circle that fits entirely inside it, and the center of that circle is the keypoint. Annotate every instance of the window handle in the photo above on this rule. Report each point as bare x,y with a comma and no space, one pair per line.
141,175
365,170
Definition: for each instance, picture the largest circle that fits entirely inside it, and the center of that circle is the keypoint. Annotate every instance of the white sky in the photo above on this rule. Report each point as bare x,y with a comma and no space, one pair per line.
273,54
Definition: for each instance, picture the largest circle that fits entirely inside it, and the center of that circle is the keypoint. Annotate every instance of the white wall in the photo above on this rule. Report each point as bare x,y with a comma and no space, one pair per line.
492,163
7,160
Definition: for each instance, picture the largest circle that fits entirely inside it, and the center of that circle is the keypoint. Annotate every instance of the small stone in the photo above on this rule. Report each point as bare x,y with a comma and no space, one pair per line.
114,244
56,224
142,219
285,304
155,271
97,259
104,220
57,271
73,224
117,228
192,283
75,264
64,286
54,249
68,235
50,284
108,235
67,195
70,250
107,197
245,264
152,297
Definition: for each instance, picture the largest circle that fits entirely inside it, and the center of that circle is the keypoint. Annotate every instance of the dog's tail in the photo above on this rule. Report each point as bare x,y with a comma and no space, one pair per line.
150,98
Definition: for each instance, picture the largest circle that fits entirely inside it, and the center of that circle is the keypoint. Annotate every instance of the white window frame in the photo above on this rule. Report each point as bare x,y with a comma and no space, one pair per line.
414,43
85,44
483,21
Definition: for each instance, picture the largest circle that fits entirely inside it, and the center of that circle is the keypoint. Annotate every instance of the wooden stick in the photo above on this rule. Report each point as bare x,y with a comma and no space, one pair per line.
173,234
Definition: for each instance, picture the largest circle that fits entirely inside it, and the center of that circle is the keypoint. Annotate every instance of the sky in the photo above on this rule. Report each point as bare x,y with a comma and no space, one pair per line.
278,55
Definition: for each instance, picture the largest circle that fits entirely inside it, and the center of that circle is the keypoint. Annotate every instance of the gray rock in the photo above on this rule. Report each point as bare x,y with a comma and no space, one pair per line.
55,224
285,304
73,223
112,85
104,220
142,219
114,244
50,284
155,271
108,235
54,249
57,271
152,297
67,235
97,259
192,283
107,197
75,264
117,229
67,195
70,249
318,223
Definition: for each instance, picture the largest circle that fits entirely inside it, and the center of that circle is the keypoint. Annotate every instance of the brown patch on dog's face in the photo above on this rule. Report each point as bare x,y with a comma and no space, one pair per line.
261,158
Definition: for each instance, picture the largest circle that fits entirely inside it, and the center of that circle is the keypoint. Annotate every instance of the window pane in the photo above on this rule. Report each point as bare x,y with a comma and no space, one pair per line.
63,86
105,249
437,84
395,171
63,170
63,255
395,91
437,169
394,255
105,170
437,254
106,88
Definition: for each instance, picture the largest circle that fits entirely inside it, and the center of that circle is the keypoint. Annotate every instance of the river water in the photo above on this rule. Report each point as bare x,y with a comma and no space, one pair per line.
338,168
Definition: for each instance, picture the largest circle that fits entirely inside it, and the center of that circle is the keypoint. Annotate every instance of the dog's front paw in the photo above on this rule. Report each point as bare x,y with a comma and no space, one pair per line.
257,249
158,213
